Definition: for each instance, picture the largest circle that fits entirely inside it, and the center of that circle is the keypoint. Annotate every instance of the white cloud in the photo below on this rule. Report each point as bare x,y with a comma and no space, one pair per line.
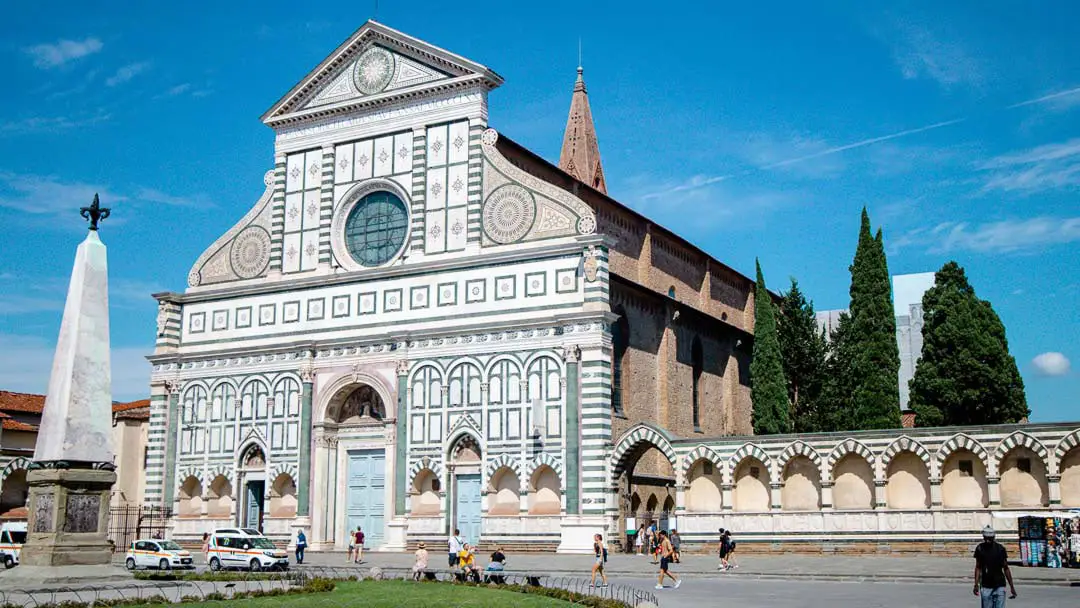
36,194
47,56
126,73
701,181
1046,167
47,195
1007,236
151,195
1061,100
26,362
1052,364
51,124
922,53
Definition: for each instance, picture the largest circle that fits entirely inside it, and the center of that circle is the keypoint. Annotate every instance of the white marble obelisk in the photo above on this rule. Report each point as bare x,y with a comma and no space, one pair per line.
76,425
72,474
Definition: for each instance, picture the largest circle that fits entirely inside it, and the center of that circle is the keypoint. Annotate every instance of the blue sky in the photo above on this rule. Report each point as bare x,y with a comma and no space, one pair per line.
751,130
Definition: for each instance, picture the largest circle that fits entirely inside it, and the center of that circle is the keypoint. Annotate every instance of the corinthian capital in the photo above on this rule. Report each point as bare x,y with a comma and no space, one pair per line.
571,353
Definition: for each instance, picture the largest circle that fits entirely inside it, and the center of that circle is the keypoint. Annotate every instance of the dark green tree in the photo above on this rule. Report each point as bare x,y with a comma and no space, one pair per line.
965,375
768,389
835,407
874,362
803,348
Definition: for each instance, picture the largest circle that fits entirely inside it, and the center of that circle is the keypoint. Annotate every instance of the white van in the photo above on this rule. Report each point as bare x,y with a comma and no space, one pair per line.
244,548
12,537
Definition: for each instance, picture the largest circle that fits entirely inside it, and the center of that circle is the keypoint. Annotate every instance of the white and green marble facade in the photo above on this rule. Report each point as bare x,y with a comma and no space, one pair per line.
492,310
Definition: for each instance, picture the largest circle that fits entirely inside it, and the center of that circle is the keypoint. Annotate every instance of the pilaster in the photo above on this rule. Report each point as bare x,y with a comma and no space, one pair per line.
993,489
935,493
277,215
326,204
776,494
400,480
726,494
303,486
169,479
826,496
572,356
1054,486
880,498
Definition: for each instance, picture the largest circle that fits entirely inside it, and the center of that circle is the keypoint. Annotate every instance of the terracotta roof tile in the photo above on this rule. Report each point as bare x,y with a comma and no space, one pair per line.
26,402
123,407
14,425
21,402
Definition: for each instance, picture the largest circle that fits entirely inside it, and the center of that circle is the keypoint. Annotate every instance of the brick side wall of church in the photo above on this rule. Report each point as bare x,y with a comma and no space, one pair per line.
650,258
657,374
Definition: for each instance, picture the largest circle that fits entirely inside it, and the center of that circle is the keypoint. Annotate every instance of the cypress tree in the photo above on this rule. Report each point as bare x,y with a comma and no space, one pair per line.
965,375
768,389
803,347
835,408
875,359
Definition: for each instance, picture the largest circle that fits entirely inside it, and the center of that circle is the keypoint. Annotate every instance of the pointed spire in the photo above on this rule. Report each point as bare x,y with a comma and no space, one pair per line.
580,154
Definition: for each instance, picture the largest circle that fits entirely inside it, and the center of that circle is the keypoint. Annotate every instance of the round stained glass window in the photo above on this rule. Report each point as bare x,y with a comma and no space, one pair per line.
376,228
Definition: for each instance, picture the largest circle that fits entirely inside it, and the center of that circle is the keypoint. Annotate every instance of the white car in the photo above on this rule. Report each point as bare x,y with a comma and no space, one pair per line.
12,537
160,554
244,548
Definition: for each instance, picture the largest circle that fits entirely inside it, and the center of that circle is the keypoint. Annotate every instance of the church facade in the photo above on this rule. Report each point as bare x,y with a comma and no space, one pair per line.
421,325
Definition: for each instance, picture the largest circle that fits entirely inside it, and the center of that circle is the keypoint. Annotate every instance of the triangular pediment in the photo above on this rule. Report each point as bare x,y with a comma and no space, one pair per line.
375,66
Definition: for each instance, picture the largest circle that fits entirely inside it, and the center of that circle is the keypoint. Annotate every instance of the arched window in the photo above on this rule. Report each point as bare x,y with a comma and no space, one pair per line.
620,342
464,385
671,291
696,362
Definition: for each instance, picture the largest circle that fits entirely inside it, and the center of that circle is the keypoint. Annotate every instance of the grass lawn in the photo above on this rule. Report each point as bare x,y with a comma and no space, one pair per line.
399,594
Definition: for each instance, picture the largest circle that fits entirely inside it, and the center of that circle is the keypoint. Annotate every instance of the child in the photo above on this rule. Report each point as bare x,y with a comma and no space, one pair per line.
600,553
420,565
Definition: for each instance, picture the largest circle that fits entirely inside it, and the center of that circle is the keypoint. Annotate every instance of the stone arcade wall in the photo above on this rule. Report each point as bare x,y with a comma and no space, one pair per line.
911,490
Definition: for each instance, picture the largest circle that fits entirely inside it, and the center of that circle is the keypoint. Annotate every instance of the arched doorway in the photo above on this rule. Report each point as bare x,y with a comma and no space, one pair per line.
643,467
464,464
354,423
253,487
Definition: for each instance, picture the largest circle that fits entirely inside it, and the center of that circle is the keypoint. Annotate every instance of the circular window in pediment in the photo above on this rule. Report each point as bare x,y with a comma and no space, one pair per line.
376,228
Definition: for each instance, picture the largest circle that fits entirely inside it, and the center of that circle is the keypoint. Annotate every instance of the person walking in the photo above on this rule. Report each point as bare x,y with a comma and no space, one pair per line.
666,553
992,572
420,565
206,547
358,540
600,553
725,549
454,545
301,544
676,544
639,539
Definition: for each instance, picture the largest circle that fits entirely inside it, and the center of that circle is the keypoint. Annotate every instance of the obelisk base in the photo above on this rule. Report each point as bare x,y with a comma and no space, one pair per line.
69,518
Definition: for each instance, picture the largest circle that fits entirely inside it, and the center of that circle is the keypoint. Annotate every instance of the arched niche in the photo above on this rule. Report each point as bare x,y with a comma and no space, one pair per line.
751,488
545,495
504,497
1023,481
802,485
908,482
703,494
853,483
963,481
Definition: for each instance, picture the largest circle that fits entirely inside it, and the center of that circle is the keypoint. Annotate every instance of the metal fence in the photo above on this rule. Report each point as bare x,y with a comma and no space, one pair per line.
130,522
232,591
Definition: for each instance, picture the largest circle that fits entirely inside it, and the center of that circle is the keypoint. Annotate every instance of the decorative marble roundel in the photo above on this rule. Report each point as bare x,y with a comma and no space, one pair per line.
250,252
587,224
509,213
374,70
489,137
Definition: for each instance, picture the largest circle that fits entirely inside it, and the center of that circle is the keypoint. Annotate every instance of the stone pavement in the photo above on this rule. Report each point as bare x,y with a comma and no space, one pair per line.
790,567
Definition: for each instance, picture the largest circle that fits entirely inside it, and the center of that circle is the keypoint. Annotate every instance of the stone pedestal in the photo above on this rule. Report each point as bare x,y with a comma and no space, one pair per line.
396,535
578,531
69,517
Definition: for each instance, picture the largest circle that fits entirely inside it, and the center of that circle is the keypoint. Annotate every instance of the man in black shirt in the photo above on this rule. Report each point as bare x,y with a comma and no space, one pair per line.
992,571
